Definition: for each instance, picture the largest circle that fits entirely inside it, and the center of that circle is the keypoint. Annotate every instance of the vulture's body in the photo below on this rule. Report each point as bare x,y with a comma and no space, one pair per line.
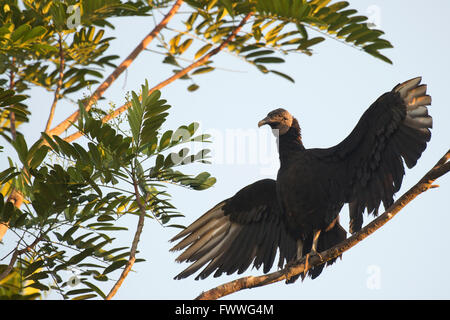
299,212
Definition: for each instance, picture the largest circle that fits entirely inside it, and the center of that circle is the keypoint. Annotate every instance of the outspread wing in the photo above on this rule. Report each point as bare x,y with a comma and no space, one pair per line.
244,229
369,162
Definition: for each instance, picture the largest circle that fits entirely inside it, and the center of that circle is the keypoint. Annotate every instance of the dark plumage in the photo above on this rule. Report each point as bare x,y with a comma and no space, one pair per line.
299,212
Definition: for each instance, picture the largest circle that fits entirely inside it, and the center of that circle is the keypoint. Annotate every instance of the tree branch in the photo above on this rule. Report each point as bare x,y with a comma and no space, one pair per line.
441,168
59,85
64,125
176,76
16,254
134,245
12,115
15,196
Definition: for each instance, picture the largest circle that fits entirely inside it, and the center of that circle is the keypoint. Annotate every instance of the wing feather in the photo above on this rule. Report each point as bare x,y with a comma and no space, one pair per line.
245,229
394,130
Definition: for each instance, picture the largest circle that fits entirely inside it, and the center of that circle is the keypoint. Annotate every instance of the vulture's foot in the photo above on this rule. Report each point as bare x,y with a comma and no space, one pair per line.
287,269
309,255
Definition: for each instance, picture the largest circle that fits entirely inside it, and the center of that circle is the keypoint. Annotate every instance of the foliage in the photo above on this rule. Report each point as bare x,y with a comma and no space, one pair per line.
14,287
68,207
278,28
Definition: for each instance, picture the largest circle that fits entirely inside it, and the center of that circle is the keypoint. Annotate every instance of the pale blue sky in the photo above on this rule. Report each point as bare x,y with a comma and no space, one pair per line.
332,90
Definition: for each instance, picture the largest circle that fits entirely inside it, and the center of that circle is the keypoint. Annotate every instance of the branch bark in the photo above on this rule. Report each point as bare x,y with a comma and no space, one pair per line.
441,168
176,76
64,125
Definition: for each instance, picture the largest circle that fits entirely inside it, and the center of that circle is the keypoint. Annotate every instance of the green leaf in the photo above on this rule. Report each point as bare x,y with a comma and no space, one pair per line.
202,51
283,75
95,154
269,60
33,267
78,291
80,256
20,221
20,32
202,70
66,148
95,289
258,53
38,157
8,210
38,285
184,46
305,44
378,55
114,266
165,140
50,141
5,176
69,233
38,276
228,5
377,46
21,147
193,87
36,32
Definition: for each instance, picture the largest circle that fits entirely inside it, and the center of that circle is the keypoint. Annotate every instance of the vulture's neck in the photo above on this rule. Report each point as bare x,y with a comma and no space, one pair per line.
290,142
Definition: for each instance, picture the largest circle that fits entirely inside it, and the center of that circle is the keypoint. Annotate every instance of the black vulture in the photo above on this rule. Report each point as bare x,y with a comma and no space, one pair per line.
298,214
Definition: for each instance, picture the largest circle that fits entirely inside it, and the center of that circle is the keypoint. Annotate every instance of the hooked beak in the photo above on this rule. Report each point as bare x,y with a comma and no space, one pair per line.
263,122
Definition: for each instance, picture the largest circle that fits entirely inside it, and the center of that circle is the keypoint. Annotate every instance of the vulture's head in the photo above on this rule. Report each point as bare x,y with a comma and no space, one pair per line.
278,119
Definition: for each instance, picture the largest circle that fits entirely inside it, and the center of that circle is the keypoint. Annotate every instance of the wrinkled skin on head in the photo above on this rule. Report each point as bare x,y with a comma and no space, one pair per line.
278,119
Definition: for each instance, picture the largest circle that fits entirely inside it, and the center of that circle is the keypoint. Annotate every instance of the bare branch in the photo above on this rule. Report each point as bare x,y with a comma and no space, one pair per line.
64,125
441,168
176,76
59,85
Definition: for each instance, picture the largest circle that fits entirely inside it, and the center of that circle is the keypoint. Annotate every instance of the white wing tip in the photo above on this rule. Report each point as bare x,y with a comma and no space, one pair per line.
404,88
416,99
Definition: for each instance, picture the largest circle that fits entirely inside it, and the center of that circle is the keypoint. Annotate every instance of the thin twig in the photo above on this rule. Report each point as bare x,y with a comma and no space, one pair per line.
134,245
64,125
441,168
12,115
176,76
59,84
16,254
